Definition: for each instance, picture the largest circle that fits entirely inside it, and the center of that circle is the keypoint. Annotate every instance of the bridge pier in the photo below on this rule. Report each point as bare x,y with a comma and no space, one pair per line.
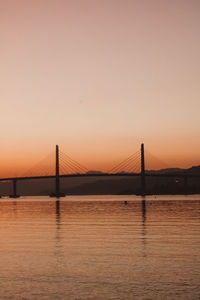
143,179
14,194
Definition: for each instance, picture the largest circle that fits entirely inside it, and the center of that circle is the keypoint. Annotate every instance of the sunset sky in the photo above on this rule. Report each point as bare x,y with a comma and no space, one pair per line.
98,77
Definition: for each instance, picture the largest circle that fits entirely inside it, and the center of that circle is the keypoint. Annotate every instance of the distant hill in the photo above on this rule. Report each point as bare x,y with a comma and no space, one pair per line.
93,172
193,170
165,171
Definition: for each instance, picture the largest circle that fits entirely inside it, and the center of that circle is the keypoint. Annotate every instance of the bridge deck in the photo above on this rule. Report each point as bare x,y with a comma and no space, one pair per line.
173,175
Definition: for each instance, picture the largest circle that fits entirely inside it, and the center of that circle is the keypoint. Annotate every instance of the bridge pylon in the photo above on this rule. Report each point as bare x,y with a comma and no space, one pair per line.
143,179
57,192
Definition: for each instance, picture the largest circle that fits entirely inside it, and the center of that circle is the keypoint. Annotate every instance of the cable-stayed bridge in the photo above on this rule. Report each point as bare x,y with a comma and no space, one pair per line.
60,165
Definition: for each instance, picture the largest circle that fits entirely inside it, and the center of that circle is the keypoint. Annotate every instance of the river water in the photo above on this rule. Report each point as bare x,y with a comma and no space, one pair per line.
97,247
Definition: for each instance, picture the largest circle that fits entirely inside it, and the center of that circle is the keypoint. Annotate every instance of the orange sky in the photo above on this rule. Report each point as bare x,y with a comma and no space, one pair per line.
98,78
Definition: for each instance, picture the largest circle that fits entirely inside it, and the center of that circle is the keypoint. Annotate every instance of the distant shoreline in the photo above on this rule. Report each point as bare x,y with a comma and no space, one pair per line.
139,195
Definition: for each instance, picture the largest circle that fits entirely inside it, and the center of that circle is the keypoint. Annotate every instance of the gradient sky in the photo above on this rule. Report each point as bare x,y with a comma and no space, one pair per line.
98,77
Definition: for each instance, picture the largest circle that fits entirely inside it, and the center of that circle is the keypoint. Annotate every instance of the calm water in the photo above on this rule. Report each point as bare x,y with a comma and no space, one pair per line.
97,247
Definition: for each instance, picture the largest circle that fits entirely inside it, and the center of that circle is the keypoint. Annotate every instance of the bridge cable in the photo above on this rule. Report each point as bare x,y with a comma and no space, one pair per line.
123,162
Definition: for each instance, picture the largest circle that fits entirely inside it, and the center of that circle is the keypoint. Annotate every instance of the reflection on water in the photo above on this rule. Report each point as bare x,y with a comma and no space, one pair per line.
144,224
98,247
58,213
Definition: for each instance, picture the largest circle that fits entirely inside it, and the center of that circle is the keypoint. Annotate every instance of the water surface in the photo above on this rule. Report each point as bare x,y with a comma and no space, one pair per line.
96,247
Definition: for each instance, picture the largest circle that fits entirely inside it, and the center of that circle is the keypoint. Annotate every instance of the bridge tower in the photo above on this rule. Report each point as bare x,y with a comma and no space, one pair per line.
57,171
57,193
143,179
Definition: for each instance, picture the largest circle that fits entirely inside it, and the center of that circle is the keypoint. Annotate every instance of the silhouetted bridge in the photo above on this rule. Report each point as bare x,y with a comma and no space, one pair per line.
81,171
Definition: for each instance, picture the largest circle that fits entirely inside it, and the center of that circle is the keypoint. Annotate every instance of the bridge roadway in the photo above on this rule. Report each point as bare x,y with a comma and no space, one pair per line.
173,175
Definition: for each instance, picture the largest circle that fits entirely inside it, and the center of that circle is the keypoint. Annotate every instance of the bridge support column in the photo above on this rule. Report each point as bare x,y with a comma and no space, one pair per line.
143,179
57,171
14,194
57,193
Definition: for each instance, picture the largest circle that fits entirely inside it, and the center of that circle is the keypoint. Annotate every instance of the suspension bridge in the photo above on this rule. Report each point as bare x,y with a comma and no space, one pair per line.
66,167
